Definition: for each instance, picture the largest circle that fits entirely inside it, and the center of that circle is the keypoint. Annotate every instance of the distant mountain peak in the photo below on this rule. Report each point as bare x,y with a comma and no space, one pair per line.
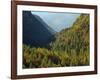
45,25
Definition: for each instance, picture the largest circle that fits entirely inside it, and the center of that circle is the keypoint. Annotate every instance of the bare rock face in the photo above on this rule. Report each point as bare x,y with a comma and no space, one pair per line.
35,31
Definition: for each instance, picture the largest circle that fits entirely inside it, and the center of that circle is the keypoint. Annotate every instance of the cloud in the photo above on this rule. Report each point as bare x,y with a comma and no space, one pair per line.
58,21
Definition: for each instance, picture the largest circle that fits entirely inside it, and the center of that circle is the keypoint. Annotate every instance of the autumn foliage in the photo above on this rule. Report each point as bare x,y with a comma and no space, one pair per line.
69,48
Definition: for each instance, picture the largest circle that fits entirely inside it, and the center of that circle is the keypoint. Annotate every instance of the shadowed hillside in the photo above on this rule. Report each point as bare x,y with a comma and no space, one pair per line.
35,31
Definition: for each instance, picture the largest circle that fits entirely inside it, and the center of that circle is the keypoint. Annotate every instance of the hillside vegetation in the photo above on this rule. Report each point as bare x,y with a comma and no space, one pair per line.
69,48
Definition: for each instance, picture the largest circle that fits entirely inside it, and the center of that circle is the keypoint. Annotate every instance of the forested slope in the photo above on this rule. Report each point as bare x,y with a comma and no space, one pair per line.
69,48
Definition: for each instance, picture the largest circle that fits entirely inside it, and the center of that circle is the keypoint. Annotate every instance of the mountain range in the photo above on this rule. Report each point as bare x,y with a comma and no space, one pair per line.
69,47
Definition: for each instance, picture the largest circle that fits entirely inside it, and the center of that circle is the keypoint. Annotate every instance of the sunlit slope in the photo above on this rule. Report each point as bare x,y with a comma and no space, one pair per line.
75,38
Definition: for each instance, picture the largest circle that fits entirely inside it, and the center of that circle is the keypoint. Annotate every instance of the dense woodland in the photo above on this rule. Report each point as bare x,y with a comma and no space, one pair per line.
70,47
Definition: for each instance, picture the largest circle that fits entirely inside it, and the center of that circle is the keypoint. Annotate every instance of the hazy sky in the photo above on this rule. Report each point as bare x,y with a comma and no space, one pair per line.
57,21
